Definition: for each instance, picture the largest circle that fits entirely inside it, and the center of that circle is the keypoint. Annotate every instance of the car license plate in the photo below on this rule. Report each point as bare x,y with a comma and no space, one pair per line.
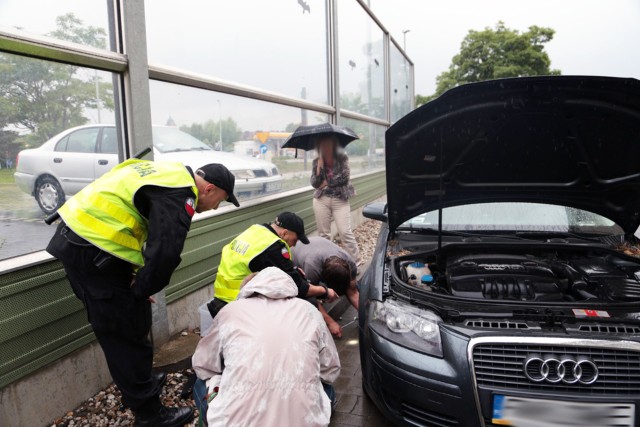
524,412
270,187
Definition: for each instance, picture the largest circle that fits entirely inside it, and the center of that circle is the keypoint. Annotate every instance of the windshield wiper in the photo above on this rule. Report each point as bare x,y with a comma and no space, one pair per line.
199,149
434,231
536,234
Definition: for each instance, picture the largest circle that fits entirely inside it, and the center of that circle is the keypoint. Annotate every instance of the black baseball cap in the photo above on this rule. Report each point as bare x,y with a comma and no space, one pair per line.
219,175
292,222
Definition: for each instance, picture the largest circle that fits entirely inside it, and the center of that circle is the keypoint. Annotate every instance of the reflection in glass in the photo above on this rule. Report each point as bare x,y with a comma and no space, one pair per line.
244,134
360,47
367,152
400,84
47,151
85,22
277,45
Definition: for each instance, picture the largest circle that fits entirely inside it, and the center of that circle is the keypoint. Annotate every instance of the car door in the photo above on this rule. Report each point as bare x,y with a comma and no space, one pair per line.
107,156
73,159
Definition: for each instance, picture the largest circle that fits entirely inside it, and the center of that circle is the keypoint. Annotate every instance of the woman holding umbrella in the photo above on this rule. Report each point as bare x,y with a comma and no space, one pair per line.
330,176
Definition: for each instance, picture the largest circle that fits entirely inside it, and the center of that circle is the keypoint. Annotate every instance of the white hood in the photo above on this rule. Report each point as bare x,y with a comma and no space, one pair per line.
196,159
272,283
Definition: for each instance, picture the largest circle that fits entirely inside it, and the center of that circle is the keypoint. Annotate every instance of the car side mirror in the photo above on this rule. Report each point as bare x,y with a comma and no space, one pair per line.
376,210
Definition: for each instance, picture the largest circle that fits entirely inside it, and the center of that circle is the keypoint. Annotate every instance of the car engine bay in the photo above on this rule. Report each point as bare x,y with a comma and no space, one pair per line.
540,276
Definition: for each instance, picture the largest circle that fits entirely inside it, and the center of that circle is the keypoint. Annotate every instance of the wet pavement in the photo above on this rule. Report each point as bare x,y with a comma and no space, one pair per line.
22,230
354,408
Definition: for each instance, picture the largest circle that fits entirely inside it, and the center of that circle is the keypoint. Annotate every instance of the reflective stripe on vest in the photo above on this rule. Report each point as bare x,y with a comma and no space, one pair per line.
236,257
104,212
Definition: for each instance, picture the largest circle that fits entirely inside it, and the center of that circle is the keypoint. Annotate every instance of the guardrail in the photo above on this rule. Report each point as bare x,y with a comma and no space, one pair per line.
41,320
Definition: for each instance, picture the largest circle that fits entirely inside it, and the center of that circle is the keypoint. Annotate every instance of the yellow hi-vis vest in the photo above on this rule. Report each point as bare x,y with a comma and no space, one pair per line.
104,214
236,256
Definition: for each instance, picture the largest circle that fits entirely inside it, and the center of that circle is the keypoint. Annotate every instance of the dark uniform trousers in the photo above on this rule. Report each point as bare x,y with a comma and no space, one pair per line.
120,322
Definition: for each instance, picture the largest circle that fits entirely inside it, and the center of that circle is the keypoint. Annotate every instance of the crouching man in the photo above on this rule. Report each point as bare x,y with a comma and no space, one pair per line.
267,359
259,247
325,263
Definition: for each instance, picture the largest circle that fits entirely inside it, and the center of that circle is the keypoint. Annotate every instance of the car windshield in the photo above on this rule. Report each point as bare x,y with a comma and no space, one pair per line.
168,140
514,217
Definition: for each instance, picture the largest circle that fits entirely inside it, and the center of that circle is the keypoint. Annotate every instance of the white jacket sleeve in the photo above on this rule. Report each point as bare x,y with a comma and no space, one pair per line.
207,359
329,358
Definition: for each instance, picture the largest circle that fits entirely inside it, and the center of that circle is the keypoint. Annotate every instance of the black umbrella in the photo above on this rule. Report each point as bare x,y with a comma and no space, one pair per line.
304,137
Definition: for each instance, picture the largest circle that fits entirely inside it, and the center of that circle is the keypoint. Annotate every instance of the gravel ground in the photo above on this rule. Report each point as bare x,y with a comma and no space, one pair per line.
104,409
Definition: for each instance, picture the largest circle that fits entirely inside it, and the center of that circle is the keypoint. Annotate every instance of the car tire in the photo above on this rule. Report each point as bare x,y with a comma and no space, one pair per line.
49,194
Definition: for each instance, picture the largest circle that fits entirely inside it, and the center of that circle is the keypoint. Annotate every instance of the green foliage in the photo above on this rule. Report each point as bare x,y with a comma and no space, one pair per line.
495,53
44,98
209,132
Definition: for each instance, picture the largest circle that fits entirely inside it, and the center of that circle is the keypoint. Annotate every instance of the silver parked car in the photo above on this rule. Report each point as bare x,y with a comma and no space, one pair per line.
66,163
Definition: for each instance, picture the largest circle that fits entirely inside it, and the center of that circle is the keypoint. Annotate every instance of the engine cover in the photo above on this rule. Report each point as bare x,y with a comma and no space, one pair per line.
502,277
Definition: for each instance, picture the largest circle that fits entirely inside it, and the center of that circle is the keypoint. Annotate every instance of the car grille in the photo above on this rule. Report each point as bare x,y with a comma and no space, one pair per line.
497,324
421,417
500,366
609,329
260,173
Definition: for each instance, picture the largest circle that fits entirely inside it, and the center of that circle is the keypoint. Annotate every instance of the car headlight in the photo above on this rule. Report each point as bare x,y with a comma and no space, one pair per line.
243,174
407,326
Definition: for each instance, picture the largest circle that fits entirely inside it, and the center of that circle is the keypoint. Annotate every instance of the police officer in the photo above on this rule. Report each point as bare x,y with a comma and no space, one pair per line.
119,241
259,247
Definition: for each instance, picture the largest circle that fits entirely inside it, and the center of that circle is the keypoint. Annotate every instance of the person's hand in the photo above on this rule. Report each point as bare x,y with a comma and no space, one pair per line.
324,184
335,329
332,295
301,271
152,300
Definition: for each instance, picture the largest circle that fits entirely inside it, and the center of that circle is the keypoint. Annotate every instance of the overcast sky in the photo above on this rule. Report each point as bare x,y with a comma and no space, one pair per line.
598,37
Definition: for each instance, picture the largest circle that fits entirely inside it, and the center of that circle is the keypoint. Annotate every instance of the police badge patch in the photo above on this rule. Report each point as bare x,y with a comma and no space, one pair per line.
189,205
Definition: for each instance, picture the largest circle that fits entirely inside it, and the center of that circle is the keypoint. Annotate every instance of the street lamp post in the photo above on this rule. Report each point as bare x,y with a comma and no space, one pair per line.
404,41
220,125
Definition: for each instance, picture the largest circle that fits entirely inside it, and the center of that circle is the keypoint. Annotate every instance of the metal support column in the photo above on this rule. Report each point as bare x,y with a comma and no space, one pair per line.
137,117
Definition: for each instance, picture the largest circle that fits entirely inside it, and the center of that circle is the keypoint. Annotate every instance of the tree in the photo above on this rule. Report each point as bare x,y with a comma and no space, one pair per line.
495,53
44,98
209,132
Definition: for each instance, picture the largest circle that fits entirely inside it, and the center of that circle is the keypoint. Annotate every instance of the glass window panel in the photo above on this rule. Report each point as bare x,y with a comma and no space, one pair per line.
400,84
366,153
197,127
361,57
277,45
85,22
83,141
40,101
109,141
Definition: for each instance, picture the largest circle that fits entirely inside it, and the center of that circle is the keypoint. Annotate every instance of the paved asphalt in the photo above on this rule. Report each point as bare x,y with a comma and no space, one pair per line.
354,408
21,228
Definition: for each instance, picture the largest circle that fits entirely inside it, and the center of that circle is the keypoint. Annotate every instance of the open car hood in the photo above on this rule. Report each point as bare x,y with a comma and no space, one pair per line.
565,140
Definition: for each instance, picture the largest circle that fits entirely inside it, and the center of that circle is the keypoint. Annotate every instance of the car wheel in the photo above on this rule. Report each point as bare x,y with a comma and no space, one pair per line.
49,194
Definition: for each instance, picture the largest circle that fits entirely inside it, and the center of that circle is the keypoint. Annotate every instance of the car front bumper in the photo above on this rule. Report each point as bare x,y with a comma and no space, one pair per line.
25,182
415,389
271,184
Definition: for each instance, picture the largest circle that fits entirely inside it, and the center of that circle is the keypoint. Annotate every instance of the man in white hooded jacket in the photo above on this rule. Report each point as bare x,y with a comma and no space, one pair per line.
267,354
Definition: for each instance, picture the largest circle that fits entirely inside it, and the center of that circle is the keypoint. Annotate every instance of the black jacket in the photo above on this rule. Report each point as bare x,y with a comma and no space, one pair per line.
169,217
276,255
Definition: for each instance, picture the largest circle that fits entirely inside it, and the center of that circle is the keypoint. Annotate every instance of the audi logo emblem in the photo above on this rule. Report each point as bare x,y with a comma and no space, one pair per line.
555,369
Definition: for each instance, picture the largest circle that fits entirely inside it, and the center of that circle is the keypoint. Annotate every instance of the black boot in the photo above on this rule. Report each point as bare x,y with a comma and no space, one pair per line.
160,378
166,417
